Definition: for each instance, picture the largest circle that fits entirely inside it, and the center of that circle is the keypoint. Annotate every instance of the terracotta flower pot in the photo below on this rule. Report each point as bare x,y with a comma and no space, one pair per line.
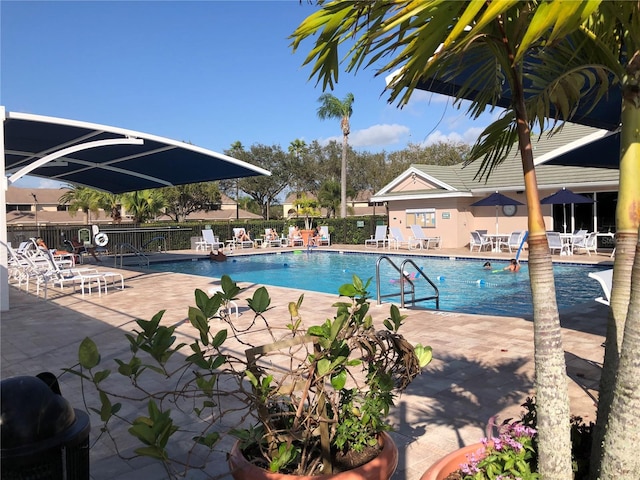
451,463
306,234
380,468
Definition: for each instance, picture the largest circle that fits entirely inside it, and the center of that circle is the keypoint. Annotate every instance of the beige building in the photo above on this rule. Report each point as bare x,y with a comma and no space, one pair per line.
360,206
440,198
26,206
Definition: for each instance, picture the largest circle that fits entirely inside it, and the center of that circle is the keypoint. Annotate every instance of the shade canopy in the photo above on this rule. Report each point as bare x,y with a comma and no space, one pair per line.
605,114
496,199
599,150
565,196
109,158
112,159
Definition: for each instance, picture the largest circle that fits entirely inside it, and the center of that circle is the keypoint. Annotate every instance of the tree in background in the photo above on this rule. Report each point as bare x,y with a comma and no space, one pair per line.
79,198
111,203
436,39
265,189
332,107
182,200
143,205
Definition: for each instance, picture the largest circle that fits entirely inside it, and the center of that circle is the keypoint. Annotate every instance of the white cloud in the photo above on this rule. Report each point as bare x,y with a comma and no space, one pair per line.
374,136
468,136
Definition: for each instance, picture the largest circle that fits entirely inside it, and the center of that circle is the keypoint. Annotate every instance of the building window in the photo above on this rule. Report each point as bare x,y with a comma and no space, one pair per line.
18,208
62,208
425,217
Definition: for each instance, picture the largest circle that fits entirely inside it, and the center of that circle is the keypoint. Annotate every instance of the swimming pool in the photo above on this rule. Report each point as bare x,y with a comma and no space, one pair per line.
465,286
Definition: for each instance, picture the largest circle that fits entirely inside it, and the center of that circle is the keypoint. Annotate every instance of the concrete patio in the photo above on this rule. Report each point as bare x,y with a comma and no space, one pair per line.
482,367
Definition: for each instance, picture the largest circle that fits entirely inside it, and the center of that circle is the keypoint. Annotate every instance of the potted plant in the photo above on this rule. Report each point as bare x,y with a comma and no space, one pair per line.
308,208
510,451
304,404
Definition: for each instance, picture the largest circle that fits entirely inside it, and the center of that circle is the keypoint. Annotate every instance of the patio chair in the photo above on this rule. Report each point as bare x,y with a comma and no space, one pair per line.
396,238
555,243
294,240
605,278
479,241
420,240
514,241
325,239
380,238
209,240
241,243
589,243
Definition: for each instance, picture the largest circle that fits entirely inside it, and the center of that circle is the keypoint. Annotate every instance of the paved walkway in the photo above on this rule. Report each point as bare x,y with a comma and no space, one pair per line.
483,365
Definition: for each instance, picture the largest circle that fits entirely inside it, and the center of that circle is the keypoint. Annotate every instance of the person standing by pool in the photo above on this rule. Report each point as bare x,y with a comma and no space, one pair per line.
513,266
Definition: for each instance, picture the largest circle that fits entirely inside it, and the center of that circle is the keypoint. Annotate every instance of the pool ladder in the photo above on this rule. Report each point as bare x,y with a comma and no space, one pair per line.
127,247
403,280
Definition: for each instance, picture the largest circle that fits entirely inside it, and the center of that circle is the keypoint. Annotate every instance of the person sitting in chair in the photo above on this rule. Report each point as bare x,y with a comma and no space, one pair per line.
79,248
243,236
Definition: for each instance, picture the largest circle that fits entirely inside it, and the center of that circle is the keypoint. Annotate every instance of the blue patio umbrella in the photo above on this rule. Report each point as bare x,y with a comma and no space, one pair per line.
564,197
496,199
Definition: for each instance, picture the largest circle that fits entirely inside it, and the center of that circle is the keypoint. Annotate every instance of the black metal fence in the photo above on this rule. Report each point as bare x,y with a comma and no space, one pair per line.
148,237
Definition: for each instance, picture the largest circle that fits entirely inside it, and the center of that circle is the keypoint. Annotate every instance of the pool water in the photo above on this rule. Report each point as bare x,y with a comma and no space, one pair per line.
465,286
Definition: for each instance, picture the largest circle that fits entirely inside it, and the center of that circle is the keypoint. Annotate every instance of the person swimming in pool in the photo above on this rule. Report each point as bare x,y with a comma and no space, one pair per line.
513,266
487,265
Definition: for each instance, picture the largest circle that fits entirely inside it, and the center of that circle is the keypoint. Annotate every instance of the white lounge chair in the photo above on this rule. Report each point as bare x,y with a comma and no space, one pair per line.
209,241
325,239
294,240
479,241
605,278
420,240
270,240
396,238
380,237
243,243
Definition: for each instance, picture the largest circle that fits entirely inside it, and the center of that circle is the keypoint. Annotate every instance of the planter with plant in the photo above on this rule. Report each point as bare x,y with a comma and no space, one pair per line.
307,207
510,452
313,401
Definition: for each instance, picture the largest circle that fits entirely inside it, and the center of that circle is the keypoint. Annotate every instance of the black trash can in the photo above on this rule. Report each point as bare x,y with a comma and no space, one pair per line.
42,436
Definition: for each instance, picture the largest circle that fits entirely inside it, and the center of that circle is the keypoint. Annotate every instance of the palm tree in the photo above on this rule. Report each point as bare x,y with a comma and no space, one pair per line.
143,204
428,39
81,198
332,107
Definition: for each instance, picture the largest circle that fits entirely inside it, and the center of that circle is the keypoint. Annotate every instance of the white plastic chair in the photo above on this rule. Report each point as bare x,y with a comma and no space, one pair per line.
556,243
479,241
589,243
396,238
420,240
325,239
380,237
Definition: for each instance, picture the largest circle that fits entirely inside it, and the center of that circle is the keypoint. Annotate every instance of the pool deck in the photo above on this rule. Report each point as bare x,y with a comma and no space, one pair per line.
482,367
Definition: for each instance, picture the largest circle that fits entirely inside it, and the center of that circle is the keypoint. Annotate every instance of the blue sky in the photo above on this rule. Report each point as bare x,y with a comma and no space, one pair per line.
207,72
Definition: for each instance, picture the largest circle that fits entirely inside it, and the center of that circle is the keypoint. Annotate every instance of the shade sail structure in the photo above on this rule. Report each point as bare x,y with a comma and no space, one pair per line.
109,158
605,114
565,197
599,150
496,199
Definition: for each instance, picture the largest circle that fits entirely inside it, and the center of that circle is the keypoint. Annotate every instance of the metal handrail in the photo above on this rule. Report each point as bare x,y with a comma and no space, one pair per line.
120,250
402,280
162,245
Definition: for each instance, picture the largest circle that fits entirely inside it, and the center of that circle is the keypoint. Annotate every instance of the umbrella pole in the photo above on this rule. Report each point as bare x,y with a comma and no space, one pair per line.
564,215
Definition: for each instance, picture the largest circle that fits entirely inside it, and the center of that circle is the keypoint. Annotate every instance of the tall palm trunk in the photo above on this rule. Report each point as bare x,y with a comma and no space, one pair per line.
552,398
619,398
343,171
